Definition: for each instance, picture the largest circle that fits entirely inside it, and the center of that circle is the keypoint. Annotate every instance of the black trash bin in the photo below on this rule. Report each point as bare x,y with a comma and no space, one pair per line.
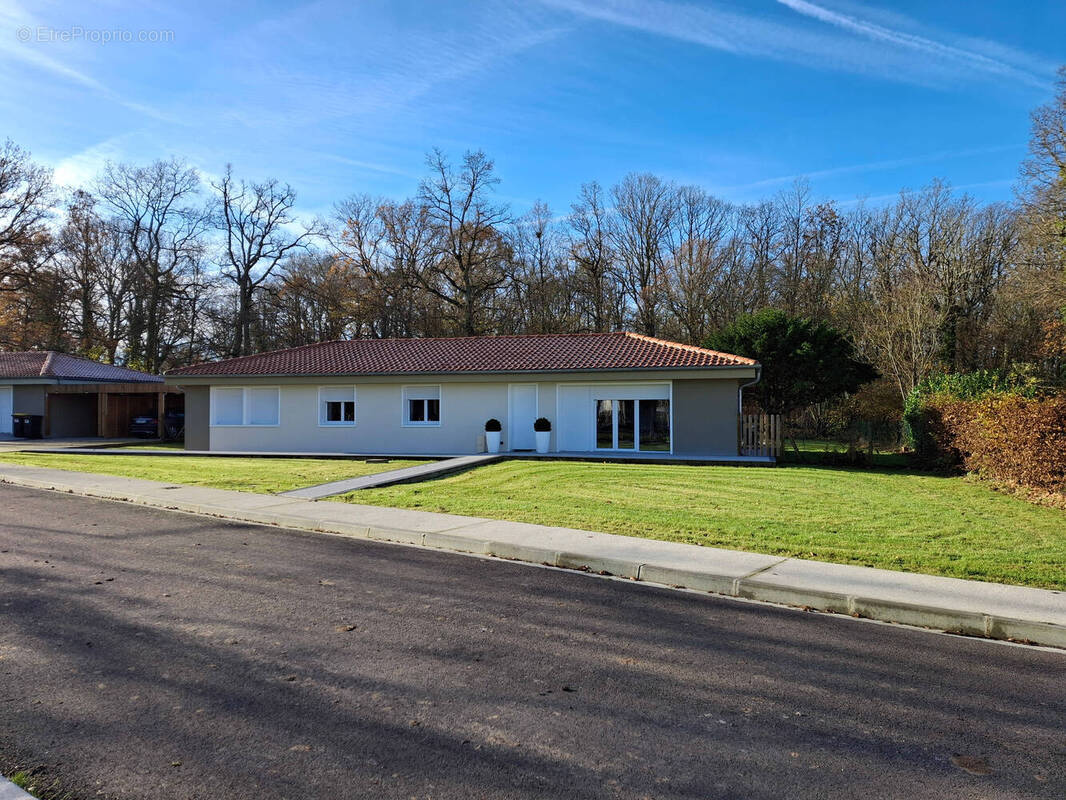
27,426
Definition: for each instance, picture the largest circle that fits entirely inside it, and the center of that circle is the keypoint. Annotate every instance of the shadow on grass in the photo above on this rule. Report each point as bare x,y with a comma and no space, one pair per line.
829,453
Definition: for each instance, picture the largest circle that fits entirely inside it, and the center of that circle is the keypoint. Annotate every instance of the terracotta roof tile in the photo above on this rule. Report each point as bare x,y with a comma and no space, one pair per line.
50,364
546,353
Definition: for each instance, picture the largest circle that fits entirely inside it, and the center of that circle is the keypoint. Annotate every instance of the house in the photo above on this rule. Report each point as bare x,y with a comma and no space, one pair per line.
74,397
611,393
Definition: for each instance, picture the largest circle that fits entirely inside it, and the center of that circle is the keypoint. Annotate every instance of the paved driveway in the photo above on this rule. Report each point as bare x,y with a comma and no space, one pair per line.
145,654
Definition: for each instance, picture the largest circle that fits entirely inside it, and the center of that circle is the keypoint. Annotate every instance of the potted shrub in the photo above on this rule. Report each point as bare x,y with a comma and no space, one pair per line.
492,435
543,429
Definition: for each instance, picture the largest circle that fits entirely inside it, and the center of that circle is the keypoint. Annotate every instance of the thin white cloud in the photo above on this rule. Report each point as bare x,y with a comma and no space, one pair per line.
880,199
16,25
79,170
704,25
874,166
366,77
971,58
843,42
370,166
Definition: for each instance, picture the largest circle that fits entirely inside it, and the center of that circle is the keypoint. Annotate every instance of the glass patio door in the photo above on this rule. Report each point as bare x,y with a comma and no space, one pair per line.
642,425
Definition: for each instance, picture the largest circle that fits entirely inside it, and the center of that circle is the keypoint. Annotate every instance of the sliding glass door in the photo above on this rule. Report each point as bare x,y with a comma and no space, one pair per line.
654,417
641,425
605,424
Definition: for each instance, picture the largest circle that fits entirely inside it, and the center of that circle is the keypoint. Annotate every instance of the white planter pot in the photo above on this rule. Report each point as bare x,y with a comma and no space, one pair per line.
492,441
543,439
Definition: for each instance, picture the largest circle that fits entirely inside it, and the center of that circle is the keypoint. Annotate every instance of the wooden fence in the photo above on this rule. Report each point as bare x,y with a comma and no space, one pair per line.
759,434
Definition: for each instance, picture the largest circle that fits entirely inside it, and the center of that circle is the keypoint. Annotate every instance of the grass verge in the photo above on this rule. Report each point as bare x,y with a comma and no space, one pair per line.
879,518
35,783
263,475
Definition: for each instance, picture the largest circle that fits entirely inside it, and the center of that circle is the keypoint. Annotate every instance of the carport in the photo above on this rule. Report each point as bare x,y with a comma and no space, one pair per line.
105,409
77,397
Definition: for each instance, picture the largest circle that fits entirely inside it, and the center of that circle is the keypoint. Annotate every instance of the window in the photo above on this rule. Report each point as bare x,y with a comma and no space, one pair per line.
421,405
228,406
633,425
261,406
336,405
258,405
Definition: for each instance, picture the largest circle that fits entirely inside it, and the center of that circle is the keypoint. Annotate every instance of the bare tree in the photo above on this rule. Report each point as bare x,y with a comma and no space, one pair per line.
79,262
389,246
164,225
698,258
540,279
311,300
468,248
761,234
26,196
1043,190
898,335
260,229
793,210
645,206
958,271
590,250
1040,282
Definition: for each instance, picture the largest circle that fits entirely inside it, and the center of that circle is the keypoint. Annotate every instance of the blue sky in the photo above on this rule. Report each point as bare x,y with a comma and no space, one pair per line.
344,97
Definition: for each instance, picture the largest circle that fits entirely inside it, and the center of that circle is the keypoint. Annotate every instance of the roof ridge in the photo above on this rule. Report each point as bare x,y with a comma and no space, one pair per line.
689,347
473,336
62,366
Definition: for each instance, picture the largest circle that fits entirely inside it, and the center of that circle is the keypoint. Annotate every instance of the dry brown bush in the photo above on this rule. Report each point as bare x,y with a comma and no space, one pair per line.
1012,440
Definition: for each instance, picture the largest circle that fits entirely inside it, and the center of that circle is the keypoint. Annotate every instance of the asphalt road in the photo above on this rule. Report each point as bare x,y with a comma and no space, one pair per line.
146,654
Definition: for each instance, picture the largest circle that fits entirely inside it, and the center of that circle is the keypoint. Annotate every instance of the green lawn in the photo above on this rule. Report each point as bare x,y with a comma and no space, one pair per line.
879,518
894,519
264,475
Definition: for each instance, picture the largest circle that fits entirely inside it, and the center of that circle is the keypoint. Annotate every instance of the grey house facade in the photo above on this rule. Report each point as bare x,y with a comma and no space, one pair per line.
615,394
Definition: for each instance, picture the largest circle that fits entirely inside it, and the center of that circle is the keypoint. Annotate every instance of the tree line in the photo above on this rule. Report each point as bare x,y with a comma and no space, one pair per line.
154,267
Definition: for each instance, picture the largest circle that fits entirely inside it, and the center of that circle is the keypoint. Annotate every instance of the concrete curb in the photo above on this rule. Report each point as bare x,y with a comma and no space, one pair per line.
9,791
972,608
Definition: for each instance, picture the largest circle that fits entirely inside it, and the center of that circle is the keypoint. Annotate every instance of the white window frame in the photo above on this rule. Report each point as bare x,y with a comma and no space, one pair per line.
636,421
614,448
323,422
244,408
404,397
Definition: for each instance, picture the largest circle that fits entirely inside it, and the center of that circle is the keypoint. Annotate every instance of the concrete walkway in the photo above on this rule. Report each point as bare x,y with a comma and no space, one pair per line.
973,608
421,472
9,791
